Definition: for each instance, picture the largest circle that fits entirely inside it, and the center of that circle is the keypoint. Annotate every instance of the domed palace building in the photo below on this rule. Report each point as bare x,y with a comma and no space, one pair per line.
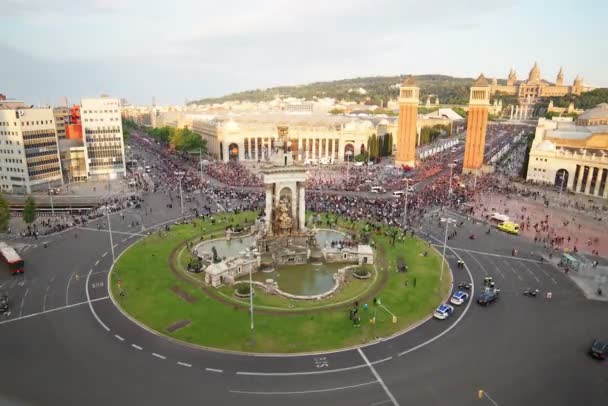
572,155
536,88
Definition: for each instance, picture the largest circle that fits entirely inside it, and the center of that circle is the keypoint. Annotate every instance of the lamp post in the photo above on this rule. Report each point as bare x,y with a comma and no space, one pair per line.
181,198
407,186
445,243
451,166
110,232
251,303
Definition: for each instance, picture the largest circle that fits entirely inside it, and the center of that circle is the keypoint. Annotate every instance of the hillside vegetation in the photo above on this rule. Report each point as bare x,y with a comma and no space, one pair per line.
380,89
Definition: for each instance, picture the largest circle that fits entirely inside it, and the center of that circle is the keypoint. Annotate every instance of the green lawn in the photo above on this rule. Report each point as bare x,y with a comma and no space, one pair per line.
147,280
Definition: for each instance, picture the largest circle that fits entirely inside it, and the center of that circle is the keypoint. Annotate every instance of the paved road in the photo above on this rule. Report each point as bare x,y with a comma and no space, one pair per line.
521,350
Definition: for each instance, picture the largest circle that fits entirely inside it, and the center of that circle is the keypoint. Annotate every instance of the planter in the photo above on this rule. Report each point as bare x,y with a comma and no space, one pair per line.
366,276
243,295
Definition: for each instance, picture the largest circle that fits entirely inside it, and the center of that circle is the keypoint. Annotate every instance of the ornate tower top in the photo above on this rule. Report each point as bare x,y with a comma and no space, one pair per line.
409,92
480,92
409,81
534,75
512,77
560,77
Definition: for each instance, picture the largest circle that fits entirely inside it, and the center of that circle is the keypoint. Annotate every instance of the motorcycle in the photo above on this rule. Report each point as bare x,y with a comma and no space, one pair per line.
531,292
472,236
464,285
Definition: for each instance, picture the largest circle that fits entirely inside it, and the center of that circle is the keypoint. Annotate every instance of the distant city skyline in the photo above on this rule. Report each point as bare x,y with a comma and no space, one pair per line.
137,49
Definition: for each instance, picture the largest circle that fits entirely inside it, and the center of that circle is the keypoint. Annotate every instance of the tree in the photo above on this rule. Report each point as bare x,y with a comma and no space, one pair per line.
5,214
29,210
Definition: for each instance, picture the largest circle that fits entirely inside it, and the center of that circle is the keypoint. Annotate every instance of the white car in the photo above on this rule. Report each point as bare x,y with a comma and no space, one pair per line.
443,312
459,298
358,163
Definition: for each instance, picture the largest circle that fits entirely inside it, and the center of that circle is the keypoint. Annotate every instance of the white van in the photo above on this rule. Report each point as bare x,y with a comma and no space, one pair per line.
398,193
377,189
359,163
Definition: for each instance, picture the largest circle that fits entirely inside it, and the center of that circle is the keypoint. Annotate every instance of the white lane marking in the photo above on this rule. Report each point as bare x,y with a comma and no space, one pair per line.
554,281
438,336
483,268
537,280
137,347
492,255
115,245
103,255
125,239
327,371
96,262
119,337
519,277
384,402
184,364
306,391
86,289
23,302
52,279
378,378
116,232
219,371
54,310
159,356
46,294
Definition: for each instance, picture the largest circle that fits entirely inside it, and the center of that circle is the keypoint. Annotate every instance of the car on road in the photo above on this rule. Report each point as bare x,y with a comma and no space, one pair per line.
509,227
487,297
3,304
378,189
599,349
459,298
360,163
443,312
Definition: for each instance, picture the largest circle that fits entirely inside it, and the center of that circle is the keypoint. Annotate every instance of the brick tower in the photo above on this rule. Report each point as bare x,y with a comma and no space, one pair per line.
477,123
408,116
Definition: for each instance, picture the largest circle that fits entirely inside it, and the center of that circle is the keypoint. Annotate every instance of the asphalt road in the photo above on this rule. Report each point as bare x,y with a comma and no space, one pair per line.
521,350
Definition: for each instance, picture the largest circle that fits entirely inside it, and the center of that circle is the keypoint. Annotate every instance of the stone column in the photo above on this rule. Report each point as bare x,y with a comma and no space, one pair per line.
294,206
606,185
300,155
589,177
337,150
269,209
302,207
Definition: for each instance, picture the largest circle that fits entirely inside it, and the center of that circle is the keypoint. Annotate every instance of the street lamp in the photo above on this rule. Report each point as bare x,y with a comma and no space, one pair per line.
445,243
407,186
110,232
451,166
181,199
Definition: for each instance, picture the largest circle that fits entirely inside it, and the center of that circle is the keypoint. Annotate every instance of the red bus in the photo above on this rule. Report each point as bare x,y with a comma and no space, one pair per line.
12,259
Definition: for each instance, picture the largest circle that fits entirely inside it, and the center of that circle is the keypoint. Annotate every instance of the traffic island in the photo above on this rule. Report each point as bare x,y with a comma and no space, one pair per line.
361,311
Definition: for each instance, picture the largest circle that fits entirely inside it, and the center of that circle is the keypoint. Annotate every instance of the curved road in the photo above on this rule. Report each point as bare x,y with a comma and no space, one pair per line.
521,350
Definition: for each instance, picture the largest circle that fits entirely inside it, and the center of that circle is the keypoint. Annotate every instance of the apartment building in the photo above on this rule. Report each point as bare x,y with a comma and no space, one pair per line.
103,138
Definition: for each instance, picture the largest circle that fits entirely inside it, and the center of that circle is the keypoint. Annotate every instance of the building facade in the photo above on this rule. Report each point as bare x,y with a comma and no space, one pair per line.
62,118
29,155
312,137
571,156
103,138
535,87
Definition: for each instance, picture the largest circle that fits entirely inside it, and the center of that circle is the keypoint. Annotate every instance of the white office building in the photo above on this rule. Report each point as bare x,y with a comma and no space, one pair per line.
29,156
103,139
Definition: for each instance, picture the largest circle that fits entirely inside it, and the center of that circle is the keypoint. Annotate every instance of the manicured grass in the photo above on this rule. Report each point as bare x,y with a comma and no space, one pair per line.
147,280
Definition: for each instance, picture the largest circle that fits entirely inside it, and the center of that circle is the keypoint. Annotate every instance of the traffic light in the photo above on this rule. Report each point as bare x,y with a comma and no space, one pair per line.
480,394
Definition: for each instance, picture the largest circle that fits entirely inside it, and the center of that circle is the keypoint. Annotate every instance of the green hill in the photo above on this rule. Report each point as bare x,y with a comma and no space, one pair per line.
450,90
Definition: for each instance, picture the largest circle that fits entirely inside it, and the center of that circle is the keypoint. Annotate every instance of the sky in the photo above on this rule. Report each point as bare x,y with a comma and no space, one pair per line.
190,49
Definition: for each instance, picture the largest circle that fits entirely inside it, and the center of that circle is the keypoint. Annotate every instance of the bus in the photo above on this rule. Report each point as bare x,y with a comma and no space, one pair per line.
12,259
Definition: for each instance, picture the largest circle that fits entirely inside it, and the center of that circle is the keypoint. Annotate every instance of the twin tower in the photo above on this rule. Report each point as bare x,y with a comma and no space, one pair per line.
479,101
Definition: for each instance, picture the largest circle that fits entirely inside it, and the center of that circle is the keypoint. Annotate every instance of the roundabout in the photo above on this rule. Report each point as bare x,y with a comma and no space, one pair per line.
157,289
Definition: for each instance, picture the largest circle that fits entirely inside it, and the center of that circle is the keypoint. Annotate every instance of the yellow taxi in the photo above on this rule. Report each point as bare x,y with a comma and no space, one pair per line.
509,227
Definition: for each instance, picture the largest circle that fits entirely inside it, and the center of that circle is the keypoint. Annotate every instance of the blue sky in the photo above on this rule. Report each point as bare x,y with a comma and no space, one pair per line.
181,49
